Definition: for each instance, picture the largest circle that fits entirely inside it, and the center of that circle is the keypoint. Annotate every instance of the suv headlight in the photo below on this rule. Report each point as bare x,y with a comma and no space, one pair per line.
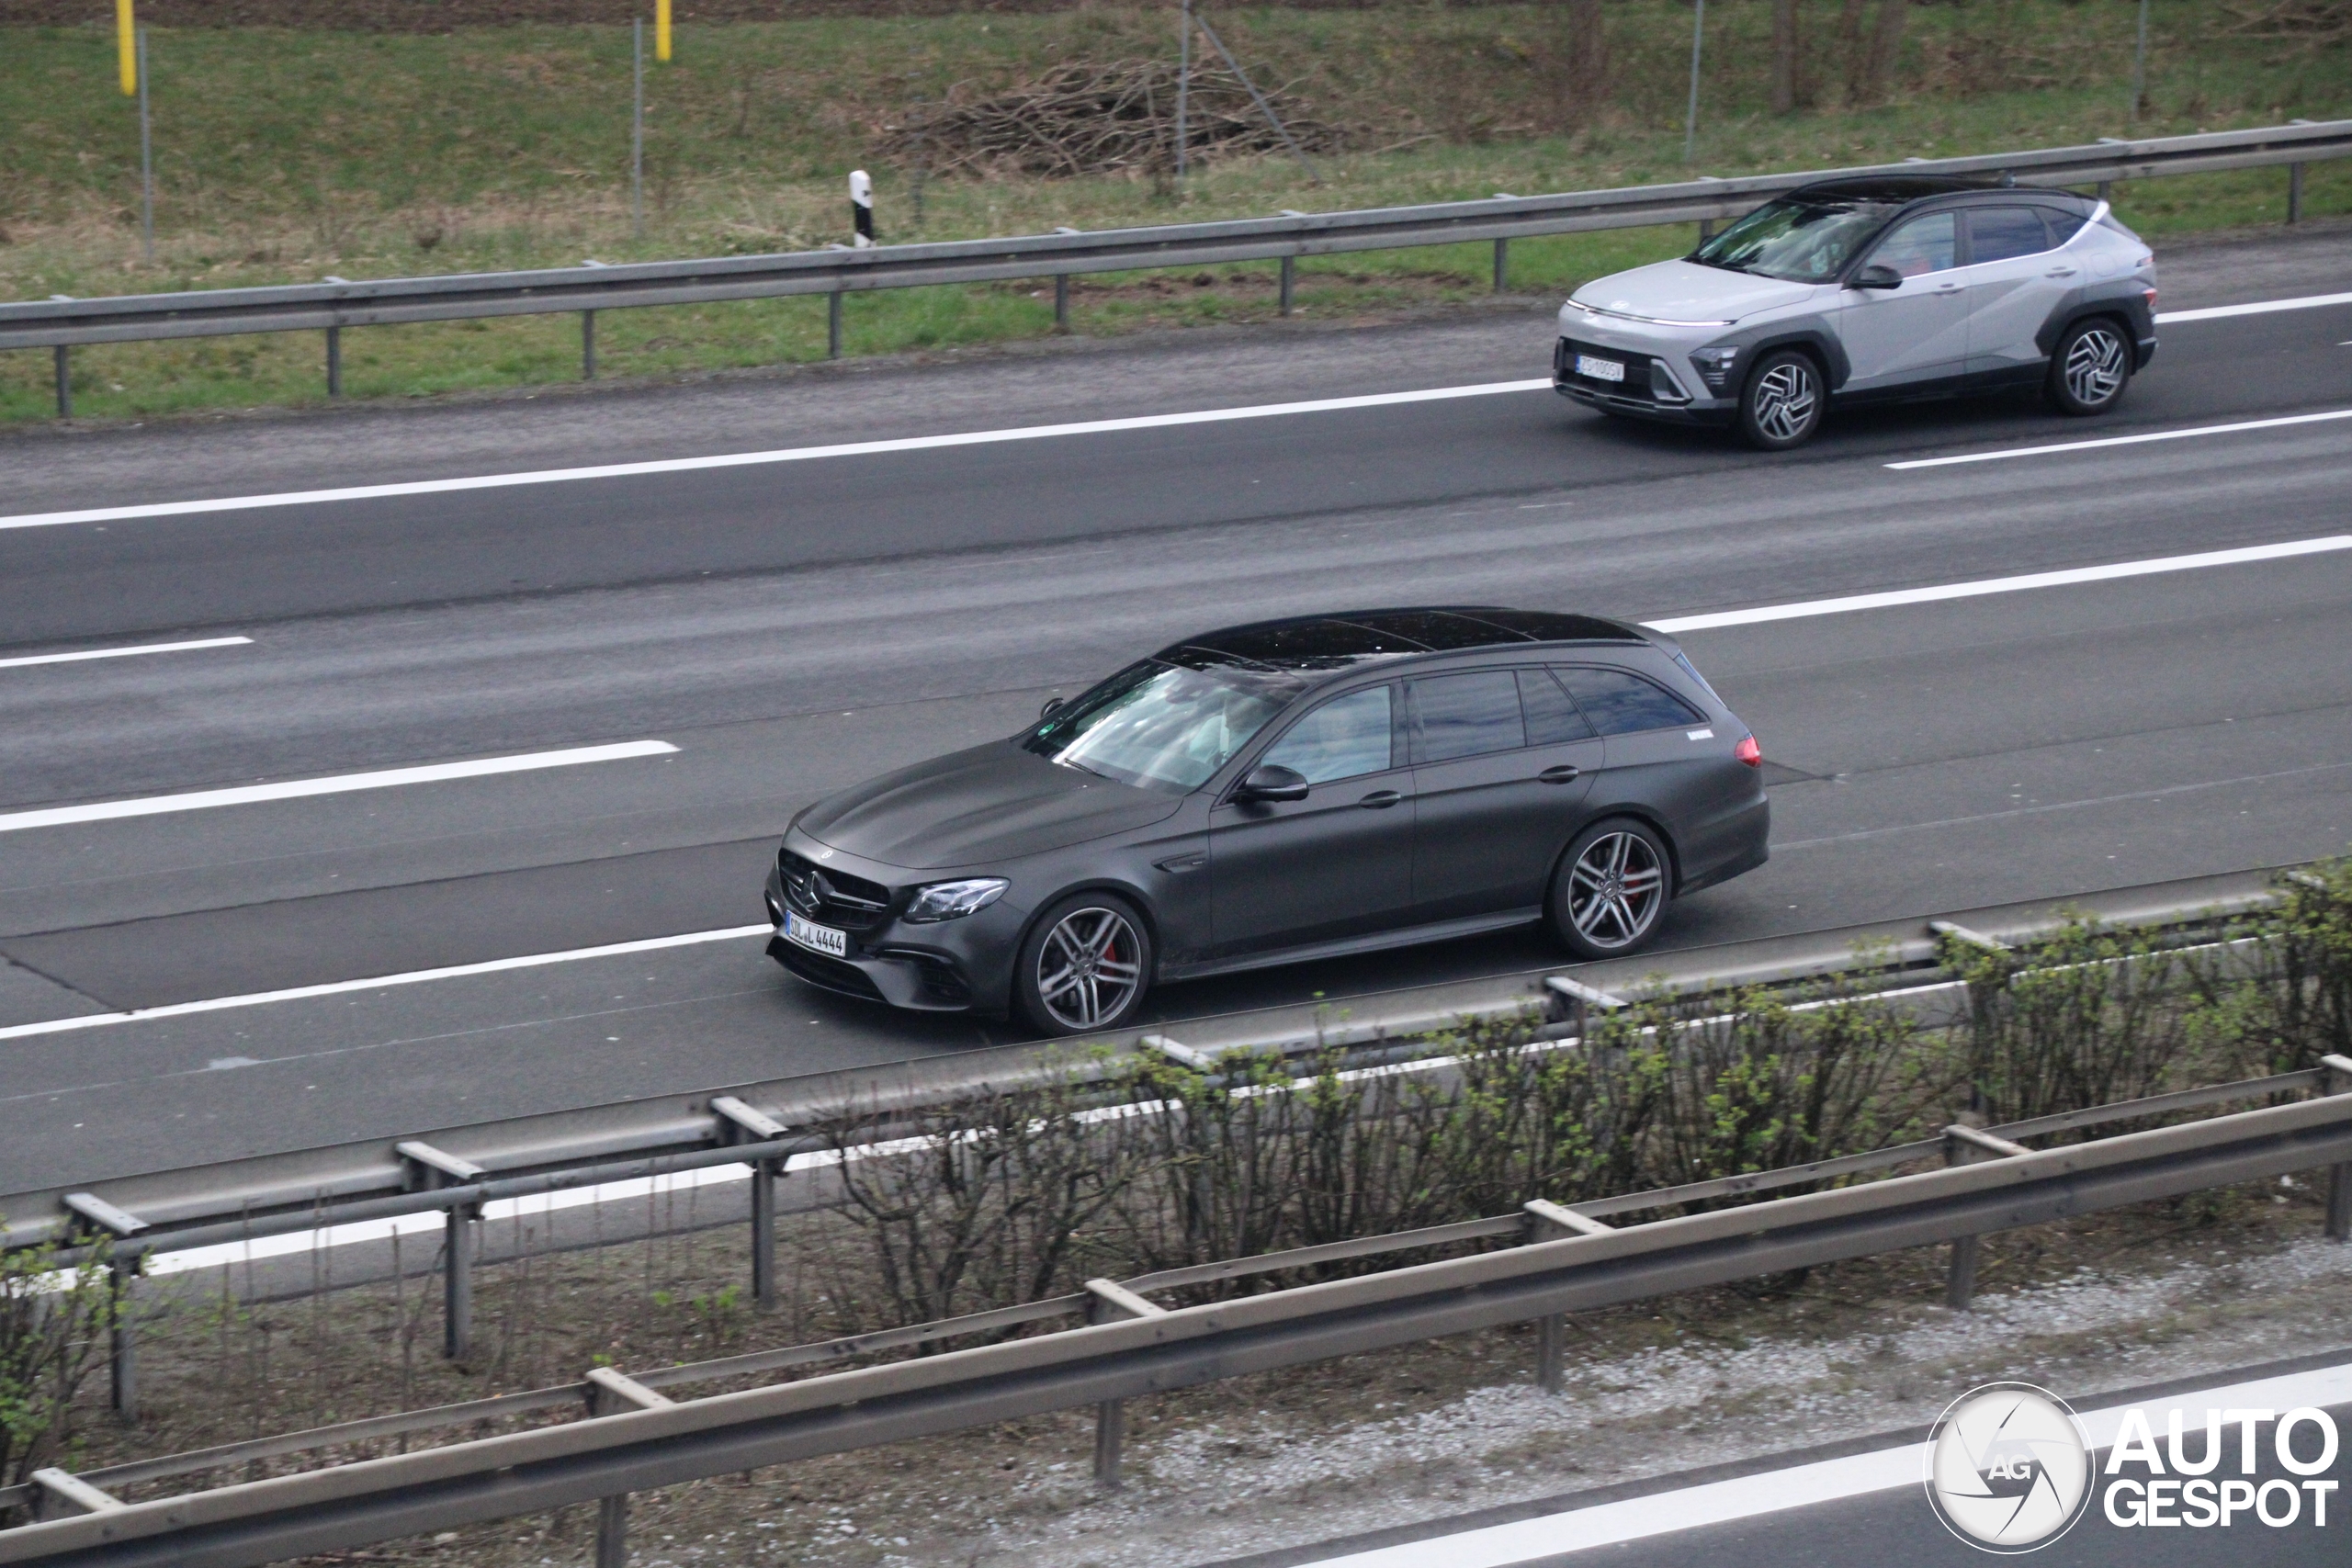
953,900
1715,365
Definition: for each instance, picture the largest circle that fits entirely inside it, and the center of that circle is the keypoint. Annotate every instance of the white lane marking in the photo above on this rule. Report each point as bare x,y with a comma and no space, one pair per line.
412,978
88,653
1801,1486
2124,440
1983,586
341,783
785,454
2215,312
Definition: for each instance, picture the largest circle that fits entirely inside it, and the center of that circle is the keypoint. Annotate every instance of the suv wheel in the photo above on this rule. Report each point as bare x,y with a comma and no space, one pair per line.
1612,889
1780,405
1085,966
2091,367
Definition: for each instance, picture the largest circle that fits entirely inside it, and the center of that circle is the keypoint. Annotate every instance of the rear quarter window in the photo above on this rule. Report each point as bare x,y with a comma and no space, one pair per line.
1621,702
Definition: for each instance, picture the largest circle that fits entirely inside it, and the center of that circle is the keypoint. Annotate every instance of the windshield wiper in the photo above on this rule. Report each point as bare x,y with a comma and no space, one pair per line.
1067,762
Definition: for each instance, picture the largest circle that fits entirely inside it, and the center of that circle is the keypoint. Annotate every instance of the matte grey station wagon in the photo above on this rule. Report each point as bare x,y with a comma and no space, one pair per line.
1280,792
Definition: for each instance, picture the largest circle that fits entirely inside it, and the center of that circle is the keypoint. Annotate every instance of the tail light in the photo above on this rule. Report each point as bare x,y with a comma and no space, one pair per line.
2151,297
1749,752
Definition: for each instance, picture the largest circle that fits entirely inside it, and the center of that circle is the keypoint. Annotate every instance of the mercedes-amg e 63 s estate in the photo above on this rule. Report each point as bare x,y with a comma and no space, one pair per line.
1272,793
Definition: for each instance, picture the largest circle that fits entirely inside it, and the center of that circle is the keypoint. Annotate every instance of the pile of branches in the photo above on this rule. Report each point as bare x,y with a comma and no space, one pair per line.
2305,21
1082,118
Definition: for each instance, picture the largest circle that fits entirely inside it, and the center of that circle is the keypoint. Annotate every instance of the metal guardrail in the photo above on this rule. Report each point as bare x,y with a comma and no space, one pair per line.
631,1437
60,323
374,1177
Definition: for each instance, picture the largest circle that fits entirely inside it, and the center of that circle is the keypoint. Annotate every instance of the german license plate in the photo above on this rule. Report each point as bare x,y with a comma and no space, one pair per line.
816,938
1600,369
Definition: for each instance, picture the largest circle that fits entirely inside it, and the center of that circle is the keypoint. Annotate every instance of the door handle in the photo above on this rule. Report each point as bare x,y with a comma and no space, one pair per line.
2060,272
1380,800
1564,773
1947,287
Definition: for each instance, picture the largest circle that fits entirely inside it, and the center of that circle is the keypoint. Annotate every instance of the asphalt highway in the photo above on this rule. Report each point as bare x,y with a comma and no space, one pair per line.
789,627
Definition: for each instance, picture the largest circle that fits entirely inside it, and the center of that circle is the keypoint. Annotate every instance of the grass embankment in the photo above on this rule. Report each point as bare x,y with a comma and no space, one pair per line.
286,155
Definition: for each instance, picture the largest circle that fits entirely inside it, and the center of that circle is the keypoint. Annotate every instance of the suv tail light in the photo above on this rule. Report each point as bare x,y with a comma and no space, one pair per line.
1749,752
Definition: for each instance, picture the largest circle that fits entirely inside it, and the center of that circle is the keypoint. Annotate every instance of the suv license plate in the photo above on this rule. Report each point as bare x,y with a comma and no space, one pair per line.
816,938
1600,369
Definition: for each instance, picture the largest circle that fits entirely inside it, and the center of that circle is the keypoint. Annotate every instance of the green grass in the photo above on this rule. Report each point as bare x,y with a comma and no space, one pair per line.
285,156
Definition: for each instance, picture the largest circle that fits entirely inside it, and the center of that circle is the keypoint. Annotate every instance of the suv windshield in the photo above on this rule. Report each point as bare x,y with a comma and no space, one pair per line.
1161,727
1802,241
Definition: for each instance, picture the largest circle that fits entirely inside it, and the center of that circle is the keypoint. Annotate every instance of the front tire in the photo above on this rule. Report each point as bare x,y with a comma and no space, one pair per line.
2091,367
1781,404
1611,890
1084,966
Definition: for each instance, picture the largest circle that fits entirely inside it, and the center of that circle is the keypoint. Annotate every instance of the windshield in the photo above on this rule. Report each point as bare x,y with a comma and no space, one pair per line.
1800,242
1159,727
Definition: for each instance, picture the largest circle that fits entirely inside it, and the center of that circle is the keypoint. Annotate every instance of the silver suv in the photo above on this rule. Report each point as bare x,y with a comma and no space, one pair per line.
1869,290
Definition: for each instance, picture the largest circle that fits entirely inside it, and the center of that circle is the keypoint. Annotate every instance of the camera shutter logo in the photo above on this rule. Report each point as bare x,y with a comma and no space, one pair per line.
2008,1468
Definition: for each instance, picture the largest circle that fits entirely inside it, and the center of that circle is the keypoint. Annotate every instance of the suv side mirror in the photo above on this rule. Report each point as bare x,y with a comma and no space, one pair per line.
1271,780
1878,275
1047,711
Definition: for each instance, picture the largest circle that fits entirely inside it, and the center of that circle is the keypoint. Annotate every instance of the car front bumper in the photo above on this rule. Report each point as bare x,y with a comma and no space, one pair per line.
962,965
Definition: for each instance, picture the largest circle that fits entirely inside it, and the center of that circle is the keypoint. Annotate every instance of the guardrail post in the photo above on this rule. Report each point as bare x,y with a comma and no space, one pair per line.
834,325
1061,302
587,345
737,1122
1502,264
64,384
123,1362
457,1283
2294,193
1964,1145
431,1169
612,1531
1549,1222
609,1391
1112,1302
1290,275
334,362
2339,1177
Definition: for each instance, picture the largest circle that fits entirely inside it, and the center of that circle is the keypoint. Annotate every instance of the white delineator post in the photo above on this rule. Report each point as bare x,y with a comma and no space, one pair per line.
861,206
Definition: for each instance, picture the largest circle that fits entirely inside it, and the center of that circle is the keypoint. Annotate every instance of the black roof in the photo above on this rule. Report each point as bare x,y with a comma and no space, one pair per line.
1918,187
1338,641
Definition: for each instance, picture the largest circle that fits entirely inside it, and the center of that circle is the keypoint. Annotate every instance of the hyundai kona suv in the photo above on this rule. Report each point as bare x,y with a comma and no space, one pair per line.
1279,792
1868,290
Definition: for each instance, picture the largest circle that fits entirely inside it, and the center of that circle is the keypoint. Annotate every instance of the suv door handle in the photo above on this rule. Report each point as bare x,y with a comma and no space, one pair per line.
1380,800
1564,773
1947,287
2060,272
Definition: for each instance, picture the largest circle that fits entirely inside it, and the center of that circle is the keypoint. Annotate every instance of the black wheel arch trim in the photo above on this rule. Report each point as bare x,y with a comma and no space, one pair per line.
2121,300
1758,342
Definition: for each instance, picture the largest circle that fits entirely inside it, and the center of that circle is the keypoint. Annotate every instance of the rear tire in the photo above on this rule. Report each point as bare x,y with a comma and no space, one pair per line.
2091,367
1084,966
1609,893
1782,402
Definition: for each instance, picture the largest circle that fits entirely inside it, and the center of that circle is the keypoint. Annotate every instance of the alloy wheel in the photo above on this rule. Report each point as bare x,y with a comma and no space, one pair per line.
2094,369
1616,890
1785,398
1090,967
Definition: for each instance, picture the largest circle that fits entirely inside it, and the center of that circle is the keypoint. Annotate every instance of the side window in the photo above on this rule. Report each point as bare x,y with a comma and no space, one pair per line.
2063,226
1466,716
1620,704
1921,246
2002,233
1344,738
1552,718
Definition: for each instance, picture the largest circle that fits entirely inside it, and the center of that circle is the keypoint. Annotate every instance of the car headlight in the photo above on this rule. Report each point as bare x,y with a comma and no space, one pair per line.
953,900
1715,365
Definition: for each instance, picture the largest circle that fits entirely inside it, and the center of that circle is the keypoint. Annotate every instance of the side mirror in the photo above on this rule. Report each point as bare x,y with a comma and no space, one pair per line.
1271,780
1051,704
1878,275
